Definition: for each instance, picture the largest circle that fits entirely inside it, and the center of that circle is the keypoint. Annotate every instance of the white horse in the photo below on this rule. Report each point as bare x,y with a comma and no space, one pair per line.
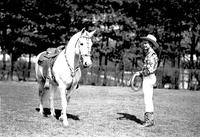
66,71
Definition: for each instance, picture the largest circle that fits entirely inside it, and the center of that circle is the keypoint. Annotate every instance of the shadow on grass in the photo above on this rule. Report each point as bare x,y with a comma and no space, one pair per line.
129,117
58,114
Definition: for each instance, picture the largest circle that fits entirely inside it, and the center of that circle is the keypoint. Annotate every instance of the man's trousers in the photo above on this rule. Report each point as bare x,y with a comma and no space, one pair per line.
148,84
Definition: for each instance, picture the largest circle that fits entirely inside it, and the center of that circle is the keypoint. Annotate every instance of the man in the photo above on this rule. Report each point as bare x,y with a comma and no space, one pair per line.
149,78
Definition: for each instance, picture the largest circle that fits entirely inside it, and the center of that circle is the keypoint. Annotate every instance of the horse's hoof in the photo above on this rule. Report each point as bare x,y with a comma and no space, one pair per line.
53,118
65,123
53,115
41,113
61,118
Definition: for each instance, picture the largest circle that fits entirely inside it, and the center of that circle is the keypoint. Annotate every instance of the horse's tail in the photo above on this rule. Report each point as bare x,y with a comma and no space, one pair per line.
38,67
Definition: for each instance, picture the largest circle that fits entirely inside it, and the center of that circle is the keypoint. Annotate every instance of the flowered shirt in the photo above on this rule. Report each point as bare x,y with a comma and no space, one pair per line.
150,63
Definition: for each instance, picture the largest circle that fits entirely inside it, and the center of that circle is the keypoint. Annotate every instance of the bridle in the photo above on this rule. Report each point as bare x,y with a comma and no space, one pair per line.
73,70
84,55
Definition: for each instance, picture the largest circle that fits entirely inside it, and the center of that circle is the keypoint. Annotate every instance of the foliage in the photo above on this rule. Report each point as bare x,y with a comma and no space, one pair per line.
31,26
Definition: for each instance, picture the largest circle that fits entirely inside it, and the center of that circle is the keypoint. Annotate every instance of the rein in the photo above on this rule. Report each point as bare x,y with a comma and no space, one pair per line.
73,71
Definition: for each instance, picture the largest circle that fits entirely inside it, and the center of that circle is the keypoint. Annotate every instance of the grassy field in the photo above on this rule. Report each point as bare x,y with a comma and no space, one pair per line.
98,112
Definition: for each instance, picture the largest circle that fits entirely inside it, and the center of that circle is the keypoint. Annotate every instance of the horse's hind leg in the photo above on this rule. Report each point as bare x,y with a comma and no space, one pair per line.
51,99
42,94
68,99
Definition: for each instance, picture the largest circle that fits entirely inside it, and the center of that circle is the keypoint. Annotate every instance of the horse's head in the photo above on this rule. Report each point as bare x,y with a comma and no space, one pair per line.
85,45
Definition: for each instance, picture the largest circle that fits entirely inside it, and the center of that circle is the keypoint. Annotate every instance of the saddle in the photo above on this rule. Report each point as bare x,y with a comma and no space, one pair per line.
49,56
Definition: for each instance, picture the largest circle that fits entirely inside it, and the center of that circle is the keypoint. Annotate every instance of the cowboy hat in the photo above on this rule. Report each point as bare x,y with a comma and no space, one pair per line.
152,39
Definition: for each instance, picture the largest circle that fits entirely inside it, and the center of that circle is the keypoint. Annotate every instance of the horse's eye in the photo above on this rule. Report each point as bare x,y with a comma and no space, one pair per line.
81,44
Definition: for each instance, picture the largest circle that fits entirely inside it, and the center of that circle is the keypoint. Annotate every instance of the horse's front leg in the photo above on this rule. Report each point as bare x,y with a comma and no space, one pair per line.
64,106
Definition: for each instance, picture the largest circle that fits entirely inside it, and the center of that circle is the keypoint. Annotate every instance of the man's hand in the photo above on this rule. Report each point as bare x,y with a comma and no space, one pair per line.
138,73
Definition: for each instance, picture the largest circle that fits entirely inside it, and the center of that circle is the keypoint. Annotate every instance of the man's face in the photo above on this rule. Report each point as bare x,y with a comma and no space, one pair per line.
145,46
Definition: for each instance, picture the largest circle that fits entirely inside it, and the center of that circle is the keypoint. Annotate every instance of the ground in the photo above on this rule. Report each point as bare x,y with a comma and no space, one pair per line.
96,111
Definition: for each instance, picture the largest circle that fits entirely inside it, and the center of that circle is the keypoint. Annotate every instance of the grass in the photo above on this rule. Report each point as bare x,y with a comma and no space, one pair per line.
96,111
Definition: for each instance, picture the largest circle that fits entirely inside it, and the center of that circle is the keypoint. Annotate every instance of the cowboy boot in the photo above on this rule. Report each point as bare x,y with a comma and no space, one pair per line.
148,119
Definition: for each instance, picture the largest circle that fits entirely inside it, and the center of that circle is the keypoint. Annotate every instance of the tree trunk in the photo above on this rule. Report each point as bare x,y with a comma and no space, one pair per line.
192,52
115,73
106,63
123,70
12,66
29,66
105,71
100,68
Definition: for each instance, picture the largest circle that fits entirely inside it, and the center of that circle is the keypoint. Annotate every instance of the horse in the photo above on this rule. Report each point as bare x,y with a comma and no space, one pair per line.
66,71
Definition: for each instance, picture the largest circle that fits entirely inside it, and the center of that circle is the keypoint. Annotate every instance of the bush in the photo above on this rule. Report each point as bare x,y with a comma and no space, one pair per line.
21,69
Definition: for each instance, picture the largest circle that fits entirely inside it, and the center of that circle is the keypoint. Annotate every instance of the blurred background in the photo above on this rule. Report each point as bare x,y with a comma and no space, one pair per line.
28,27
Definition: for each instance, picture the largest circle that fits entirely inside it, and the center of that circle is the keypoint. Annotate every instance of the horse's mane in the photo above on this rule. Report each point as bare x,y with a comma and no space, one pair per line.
74,39
70,47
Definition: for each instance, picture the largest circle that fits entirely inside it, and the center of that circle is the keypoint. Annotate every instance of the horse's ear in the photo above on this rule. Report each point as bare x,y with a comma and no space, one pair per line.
92,33
82,31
